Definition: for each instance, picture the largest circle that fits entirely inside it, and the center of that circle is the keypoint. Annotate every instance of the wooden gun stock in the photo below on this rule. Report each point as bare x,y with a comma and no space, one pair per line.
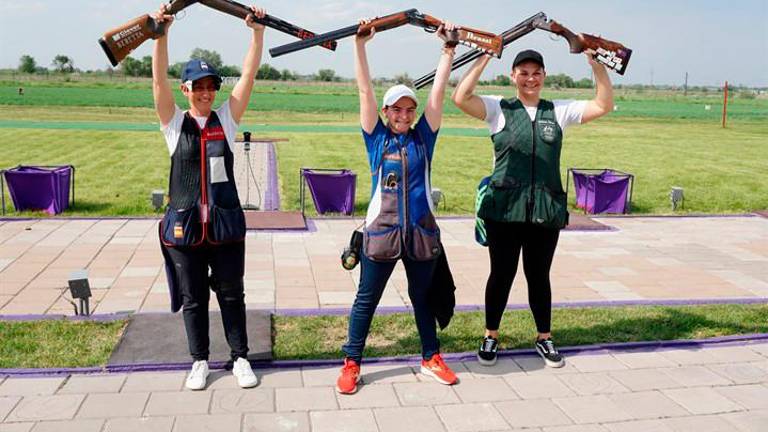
387,22
612,54
119,42
482,40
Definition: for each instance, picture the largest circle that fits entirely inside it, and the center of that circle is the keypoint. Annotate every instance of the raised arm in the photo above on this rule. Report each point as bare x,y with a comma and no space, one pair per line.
369,114
241,94
464,94
602,104
434,109
165,106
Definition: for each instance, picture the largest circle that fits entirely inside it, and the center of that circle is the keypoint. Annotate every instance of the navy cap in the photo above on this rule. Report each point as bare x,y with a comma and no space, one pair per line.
196,69
528,55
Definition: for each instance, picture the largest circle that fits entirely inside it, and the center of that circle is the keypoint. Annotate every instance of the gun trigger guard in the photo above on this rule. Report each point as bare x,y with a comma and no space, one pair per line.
180,15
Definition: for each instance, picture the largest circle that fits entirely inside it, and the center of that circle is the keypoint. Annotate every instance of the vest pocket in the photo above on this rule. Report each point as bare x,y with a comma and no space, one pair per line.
384,245
504,202
227,225
550,209
425,243
181,227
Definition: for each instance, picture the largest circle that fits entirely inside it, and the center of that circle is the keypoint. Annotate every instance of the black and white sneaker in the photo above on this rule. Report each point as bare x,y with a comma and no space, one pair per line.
547,351
486,355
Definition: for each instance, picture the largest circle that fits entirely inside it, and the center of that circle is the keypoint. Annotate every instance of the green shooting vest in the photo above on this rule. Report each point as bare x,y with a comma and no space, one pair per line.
525,185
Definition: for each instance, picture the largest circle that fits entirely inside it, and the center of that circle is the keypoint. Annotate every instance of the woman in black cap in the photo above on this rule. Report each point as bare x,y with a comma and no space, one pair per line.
204,225
524,208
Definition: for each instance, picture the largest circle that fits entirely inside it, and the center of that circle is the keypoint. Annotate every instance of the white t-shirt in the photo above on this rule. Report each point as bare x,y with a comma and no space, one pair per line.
173,129
567,112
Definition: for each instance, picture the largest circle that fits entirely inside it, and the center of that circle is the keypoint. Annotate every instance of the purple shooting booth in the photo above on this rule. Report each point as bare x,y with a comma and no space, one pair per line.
332,190
602,190
45,188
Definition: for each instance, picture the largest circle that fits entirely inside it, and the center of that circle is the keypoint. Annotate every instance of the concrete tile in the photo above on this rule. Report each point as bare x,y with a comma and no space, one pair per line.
752,397
471,417
104,405
761,348
305,399
686,357
178,403
153,382
592,409
404,418
596,363
535,365
320,377
279,377
207,423
16,427
638,426
576,428
643,360
538,386
734,354
425,393
39,408
143,424
740,373
93,425
81,384
484,390
592,383
694,376
647,405
278,422
30,386
387,374
369,396
343,421
243,401
221,380
748,421
709,423
503,367
532,413
702,400
6,405
645,379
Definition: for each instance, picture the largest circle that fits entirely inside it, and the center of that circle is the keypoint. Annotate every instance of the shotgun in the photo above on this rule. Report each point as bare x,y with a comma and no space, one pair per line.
477,39
613,55
241,11
119,42
507,37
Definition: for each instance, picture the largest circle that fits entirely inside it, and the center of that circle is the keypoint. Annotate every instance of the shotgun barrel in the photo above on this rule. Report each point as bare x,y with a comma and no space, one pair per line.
509,36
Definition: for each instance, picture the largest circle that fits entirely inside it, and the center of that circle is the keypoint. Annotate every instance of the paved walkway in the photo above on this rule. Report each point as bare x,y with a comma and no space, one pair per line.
718,389
652,258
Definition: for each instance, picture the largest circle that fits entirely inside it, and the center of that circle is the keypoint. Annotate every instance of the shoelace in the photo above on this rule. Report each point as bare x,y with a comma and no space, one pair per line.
438,362
550,346
488,345
349,366
197,367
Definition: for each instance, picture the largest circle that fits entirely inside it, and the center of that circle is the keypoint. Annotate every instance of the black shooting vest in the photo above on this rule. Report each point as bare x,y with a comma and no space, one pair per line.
204,206
525,185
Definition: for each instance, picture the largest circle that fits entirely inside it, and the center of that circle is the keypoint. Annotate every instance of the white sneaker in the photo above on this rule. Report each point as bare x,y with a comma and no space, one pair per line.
197,376
241,369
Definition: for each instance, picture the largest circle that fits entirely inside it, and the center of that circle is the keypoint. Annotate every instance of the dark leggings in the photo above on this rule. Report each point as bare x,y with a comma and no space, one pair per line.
505,241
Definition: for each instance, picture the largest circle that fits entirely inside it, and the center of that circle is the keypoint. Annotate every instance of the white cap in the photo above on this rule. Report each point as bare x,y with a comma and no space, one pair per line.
395,93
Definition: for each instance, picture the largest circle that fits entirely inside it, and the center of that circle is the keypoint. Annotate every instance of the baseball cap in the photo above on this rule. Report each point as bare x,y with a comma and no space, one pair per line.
395,93
196,69
528,55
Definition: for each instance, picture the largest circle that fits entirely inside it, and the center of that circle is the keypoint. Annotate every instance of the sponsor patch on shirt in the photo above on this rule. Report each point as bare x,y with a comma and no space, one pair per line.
214,134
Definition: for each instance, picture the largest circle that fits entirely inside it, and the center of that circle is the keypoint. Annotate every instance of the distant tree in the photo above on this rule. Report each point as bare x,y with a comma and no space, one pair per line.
404,79
174,71
326,75
502,80
131,67
229,71
211,57
559,80
287,75
27,64
583,83
63,63
267,72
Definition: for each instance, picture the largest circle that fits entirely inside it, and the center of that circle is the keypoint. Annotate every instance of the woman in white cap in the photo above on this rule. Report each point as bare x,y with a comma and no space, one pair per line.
400,224
524,208
204,225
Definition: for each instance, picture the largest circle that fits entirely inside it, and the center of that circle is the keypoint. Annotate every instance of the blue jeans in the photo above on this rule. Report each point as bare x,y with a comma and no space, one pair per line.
373,278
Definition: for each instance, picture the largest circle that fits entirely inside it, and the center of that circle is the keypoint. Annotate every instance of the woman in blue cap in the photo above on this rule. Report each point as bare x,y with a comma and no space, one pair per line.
204,225
525,205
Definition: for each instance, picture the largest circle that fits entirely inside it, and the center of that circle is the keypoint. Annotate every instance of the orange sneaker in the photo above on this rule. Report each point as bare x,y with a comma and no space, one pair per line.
349,377
437,369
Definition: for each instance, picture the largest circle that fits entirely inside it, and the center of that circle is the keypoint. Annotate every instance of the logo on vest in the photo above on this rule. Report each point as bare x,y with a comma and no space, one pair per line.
548,130
178,230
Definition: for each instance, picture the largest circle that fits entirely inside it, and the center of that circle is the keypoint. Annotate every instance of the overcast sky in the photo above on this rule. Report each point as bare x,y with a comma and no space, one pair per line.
712,40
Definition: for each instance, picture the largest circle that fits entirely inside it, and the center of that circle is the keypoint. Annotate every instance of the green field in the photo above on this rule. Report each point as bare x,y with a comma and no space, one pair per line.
108,130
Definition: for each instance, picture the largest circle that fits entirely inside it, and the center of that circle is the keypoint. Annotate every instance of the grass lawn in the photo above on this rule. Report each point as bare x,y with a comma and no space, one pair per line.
57,343
391,335
62,343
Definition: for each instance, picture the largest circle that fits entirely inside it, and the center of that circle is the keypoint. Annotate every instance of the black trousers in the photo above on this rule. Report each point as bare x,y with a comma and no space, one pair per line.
227,267
505,241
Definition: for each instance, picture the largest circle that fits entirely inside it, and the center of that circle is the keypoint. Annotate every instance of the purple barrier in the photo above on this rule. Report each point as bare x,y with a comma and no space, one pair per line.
40,188
332,190
604,191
